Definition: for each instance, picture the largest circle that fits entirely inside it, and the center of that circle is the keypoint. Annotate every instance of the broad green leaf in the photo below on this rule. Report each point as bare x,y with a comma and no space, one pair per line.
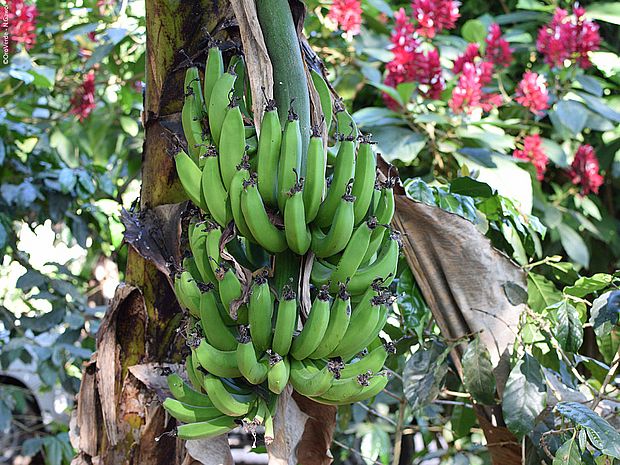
605,312
375,116
463,419
424,374
418,190
515,294
568,454
555,152
376,445
608,344
130,126
607,62
478,377
391,91
474,31
589,284
411,304
542,292
465,185
397,143
590,84
574,245
525,396
568,329
572,114
604,11
598,105
602,435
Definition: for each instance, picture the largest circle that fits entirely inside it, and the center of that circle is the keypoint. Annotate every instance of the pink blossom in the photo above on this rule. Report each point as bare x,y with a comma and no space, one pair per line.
532,92
22,23
497,52
469,56
584,170
533,152
347,14
83,100
568,38
435,15
468,94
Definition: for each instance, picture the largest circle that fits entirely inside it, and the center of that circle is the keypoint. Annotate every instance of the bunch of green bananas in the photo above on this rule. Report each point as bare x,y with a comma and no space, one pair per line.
263,206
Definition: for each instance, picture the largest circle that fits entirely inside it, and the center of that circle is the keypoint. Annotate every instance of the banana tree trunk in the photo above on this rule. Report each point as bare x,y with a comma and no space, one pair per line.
118,420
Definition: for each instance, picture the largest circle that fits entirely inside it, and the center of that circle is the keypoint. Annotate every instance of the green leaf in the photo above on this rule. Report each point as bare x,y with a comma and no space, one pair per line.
542,292
375,116
474,31
604,11
574,245
130,126
478,377
568,329
418,190
463,419
391,91
525,396
376,445
590,84
568,454
555,152
411,304
424,373
598,105
572,114
396,143
589,284
465,185
605,312
602,435
515,294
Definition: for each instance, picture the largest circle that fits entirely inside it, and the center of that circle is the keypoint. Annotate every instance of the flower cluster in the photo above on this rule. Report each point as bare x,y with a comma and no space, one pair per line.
411,63
83,100
476,72
568,38
22,23
432,16
532,92
347,14
584,170
532,151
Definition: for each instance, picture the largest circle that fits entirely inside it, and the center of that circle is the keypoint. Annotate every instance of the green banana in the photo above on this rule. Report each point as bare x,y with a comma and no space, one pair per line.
279,372
318,318
236,187
251,368
218,362
269,142
213,190
215,330
296,231
286,322
191,113
383,267
260,311
344,121
371,362
364,342
212,248
374,387
290,157
206,429
344,171
338,323
183,392
266,234
188,293
189,175
232,143
189,413
365,175
363,321
233,405
197,244
324,245
353,253
324,97
314,186
385,209
309,380
214,68
218,103
230,286
194,375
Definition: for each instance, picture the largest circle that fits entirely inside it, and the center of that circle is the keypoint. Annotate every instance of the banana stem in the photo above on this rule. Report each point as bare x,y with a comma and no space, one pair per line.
289,74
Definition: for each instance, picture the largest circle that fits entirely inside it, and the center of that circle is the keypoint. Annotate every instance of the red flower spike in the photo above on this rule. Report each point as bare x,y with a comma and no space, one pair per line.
532,92
584,170
533,152
497,51
83,100
347,14
435,15
22,23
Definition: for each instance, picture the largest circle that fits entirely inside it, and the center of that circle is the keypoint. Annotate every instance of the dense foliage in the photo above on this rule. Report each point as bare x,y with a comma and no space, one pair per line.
504,113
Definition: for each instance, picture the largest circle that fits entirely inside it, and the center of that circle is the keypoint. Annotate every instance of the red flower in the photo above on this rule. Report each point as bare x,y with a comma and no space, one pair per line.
584,170
435,15
83,100
497,51
22,23
468,94
532,92
471,53
410,64
533,152
347,14
568,38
